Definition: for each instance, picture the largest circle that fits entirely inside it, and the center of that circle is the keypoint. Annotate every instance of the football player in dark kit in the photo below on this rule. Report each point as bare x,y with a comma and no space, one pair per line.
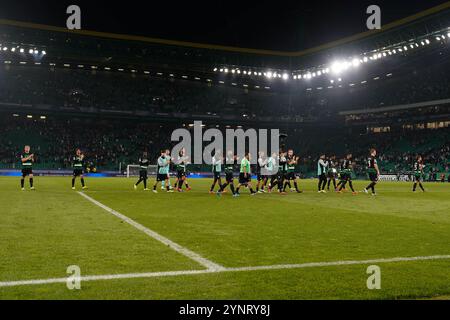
27,160
180,164
292,162
418,173
282,171
230,162
331,172
143,171
373,171
346,174
78,166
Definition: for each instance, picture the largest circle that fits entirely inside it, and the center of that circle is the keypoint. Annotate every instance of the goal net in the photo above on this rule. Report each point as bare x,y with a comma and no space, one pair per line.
133,170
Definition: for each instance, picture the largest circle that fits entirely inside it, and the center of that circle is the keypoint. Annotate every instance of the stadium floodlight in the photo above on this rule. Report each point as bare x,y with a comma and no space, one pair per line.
365,59
44,52
30,51
448,34
295,77
422,43
438,38
331,81
356,62
238,71
225,70
259,74
5,48
215,69
22,50
233,71
36,51
13,49
427,41
340,79
285,76
337,67
313,74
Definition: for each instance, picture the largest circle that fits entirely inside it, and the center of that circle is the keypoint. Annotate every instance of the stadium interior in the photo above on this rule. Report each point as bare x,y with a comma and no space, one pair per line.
96,209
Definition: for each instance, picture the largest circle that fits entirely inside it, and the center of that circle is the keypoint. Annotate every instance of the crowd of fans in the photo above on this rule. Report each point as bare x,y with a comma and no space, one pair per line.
112,144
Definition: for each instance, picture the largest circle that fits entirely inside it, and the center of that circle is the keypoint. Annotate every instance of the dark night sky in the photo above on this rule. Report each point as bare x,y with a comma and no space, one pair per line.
277,25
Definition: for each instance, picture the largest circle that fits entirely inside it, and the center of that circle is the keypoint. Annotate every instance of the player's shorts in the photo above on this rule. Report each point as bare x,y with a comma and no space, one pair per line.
322,176
281,175
181,174
418,178
261,177
373,176
332,174
216,175
77,172
143,174
27,172
290,176
162,177
229,177
348,176
244,179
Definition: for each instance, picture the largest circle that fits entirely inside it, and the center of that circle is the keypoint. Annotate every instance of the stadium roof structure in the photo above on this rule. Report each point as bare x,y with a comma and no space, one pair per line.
248,68
424,22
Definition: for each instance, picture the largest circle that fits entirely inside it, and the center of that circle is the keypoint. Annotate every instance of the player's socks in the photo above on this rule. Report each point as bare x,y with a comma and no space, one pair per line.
73,183
31,183
22,183
350,183
82,182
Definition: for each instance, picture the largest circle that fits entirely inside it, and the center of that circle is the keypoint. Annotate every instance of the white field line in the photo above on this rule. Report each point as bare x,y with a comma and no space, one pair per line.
222,270
175,246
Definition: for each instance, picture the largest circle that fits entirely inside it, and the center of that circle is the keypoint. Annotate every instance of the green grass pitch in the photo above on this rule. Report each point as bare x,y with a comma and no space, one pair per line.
43,232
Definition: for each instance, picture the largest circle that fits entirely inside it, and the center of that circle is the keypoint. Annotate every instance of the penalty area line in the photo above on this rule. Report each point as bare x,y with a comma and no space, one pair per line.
174,246
222,270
